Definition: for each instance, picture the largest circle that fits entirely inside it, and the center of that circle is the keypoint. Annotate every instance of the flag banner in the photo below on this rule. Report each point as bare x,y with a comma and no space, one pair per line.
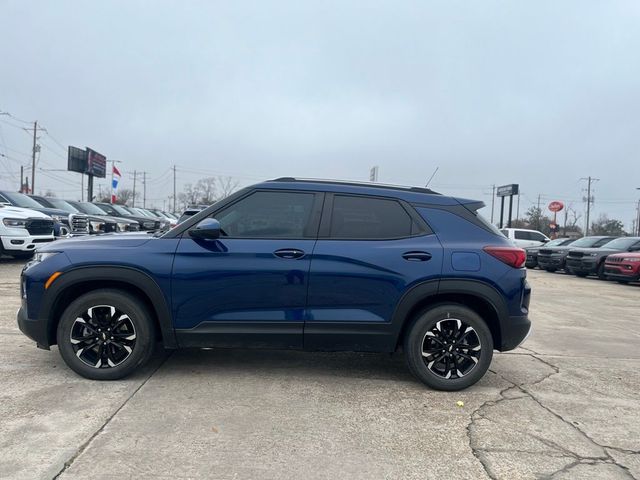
114,184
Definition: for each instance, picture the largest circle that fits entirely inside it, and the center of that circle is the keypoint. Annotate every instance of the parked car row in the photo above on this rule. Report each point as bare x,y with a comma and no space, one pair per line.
29,220
607,257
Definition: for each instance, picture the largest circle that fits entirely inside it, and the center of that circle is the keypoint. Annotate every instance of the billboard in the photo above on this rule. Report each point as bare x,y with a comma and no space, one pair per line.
87,161
96,164
507,190
77,160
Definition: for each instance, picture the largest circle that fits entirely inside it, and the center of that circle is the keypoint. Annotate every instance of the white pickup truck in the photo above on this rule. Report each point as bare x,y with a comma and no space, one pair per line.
22,230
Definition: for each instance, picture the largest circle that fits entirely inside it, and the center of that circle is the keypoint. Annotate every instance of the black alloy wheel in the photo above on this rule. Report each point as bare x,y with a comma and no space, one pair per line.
448,347
106,334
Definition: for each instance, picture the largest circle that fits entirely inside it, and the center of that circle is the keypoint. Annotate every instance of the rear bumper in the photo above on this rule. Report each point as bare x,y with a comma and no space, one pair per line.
36,330
515,333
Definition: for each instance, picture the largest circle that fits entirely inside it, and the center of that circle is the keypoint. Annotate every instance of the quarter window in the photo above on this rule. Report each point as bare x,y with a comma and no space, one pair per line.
370,218
269,215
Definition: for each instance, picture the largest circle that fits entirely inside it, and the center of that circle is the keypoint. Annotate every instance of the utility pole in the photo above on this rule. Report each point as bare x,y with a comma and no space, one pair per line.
21,179
518,207
538,226
133,201
33,158
174,189
589,180
144,189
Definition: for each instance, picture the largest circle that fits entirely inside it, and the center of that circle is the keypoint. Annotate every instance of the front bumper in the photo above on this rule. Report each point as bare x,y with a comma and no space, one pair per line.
582,265
24,243
621,272
552,261
36,330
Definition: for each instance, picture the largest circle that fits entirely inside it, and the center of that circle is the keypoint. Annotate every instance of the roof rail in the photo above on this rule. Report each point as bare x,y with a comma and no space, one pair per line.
357,184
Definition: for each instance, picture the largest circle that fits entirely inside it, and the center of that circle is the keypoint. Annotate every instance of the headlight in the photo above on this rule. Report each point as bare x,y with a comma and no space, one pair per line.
148,224
15,222
631,259
593,254
42,256
57,218
122,227
96,226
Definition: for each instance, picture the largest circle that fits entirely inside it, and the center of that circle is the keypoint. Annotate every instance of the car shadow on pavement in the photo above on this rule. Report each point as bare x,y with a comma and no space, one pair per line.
288,363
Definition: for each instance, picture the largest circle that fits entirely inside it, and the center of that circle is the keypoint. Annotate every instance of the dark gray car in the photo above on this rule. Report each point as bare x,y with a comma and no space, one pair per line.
553,258
532,252
590,261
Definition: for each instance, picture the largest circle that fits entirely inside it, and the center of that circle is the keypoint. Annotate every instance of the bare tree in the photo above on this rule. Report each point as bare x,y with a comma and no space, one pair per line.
206,191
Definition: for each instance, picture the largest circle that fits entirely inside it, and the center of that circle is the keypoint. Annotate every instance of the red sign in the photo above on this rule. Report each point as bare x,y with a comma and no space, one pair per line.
556,206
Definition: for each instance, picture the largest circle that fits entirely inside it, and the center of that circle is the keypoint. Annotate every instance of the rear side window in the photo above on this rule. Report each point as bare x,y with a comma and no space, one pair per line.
268,215
368,218
521,235
538,237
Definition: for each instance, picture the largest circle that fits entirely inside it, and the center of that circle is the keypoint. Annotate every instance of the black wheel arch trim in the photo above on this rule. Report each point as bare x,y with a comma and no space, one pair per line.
127,275
446,286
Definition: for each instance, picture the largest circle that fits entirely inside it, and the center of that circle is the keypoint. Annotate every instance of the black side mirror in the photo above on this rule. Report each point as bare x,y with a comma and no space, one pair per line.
207,229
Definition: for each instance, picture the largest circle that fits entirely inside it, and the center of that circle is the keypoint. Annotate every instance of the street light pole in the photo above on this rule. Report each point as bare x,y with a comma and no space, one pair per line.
638,216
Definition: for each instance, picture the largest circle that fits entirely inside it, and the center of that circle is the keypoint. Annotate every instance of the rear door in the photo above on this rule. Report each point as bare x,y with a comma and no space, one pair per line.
370,250
248,287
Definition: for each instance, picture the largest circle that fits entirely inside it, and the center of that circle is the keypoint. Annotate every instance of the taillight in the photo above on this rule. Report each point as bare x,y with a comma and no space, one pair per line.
512,256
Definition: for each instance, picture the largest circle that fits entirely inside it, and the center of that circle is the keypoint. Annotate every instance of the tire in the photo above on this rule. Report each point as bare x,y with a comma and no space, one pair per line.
550,270
581,274
431,328
91,316
600,271
623,282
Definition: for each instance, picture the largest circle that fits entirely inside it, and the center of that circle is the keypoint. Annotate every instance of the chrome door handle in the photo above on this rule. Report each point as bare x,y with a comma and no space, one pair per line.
289,253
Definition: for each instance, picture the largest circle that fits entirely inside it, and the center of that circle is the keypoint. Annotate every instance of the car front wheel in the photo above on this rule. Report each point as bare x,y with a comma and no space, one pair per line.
106,335
448,347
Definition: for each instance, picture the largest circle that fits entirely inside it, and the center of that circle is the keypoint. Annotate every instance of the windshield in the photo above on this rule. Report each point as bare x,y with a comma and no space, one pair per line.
621,243
558,241
121,210
21,200
62,205
90,208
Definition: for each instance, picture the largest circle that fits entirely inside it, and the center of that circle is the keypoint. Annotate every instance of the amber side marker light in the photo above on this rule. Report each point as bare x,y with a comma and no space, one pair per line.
50,280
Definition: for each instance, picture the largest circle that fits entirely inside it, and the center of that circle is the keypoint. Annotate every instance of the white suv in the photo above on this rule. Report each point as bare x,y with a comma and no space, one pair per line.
22,230
525,238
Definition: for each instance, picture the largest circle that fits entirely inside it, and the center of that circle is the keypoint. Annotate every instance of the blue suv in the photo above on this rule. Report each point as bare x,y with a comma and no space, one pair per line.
293,264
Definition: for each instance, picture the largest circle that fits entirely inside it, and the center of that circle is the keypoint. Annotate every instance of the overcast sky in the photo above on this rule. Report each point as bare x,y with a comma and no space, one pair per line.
536,93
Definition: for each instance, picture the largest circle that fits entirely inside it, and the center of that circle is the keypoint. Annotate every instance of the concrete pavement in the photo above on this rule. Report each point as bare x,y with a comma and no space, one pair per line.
564,406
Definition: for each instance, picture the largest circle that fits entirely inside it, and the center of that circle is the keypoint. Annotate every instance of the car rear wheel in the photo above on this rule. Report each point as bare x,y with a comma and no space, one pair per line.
448,347
106,335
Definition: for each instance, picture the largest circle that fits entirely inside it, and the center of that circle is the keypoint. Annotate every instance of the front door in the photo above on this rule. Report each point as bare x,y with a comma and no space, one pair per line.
249,287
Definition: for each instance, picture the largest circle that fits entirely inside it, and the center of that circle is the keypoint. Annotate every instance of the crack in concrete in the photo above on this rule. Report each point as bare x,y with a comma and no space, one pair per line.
524,388
84,446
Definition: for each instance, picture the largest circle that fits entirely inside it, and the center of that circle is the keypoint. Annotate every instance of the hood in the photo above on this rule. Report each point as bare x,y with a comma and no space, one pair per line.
7,211
625,255
602,250
111,240
53,211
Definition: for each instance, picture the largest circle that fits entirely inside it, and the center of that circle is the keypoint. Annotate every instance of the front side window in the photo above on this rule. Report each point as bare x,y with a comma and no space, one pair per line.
269,215
370,218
